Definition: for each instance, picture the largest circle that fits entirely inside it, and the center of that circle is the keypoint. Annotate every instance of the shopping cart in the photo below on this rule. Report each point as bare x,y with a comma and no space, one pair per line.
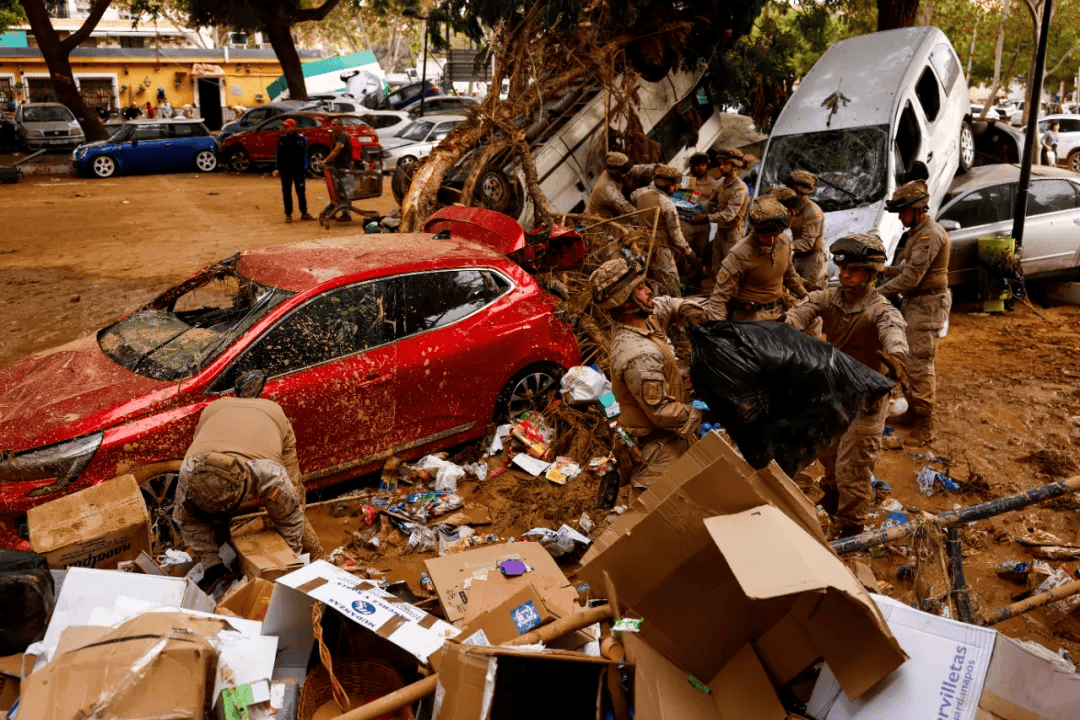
346,187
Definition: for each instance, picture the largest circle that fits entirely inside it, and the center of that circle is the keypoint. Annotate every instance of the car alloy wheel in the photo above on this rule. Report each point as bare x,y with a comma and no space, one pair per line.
967,147
532,388
317,161
1074,161
103,166
159,492
206,161
239,160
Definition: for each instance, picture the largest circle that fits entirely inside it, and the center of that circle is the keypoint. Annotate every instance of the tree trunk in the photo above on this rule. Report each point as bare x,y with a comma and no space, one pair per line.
56,53
281,39
894,14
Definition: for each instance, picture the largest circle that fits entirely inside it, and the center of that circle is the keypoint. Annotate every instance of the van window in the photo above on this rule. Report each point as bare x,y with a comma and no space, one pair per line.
929,95
850,164
908,140
948,67
679,127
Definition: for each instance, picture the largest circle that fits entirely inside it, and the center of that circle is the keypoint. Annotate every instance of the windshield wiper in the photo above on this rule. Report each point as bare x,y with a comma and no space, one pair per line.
813,169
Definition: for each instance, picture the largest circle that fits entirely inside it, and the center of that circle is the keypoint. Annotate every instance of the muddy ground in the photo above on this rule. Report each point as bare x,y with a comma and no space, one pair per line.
76,253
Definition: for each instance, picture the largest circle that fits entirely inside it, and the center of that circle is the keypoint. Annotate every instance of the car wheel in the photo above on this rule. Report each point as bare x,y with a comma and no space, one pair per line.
206,161
402,177
1074,161
967,147
159,493
532,388
317,160
239,160
103,166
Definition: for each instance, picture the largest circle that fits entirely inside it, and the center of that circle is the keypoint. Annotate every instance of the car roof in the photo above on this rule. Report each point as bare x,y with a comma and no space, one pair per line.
1060,116
463,98
439,118
985,175
306,264
41,104
168,121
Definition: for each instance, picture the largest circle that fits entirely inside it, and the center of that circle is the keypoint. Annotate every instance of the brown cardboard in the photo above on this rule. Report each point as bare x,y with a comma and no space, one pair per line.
9,692
706,591
506,622
96,527
517,684
1023,686
176,683
454,574
250,600
265,555
17,665
77,636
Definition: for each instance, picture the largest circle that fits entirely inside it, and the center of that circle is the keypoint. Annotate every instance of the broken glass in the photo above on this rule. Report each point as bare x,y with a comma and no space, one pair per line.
850,164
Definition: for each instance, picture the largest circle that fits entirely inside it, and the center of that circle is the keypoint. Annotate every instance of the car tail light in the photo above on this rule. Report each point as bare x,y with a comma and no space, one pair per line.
435,90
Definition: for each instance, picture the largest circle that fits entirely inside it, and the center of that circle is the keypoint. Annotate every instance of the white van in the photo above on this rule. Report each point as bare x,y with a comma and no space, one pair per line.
874,111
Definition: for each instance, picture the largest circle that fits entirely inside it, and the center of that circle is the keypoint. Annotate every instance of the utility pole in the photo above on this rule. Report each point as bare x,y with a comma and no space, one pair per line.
1031,137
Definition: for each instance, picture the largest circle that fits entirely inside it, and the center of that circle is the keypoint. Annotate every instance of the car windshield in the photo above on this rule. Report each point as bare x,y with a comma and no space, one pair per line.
417,130
47,114
850,164
123,133
186,328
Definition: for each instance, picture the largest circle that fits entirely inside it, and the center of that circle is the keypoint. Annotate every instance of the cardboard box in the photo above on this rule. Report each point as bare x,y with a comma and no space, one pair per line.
516,684
249,601
707,586
96,527
523,612
962,671
175,683
265,555
12,668
360,601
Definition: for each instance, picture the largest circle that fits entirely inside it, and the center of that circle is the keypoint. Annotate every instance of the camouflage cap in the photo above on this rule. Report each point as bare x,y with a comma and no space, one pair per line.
914,194
787,197
218,482
666,172
802,181
613,282
730,154
767,215
616,160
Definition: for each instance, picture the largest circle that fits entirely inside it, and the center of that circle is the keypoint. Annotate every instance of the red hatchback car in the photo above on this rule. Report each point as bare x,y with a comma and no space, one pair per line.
258,146
373,345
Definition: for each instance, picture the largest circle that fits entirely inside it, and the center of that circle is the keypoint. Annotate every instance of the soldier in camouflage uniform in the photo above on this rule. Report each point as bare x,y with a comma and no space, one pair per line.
860,322
669,239
244,446
656,409
807,232
923,281
728,206
697,233
752,277
607,199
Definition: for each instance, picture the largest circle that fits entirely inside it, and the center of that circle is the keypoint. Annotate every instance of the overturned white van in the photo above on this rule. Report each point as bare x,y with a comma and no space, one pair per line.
874,111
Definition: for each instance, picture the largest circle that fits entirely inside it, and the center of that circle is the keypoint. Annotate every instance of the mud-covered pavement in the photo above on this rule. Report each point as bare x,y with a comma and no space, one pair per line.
76,253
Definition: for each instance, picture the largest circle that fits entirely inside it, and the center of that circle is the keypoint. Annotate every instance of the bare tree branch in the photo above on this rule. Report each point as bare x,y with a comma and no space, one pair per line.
314,14
76,38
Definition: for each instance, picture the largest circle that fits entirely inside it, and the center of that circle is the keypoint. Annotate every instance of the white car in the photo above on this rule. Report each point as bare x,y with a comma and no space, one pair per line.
1068,149
991,114
416,140
387,123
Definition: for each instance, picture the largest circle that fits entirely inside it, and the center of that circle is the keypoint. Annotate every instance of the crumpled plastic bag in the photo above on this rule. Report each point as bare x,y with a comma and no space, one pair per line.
781,395
446,473
582,385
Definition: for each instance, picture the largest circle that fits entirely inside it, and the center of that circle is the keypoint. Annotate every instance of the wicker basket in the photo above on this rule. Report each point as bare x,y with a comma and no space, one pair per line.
363,681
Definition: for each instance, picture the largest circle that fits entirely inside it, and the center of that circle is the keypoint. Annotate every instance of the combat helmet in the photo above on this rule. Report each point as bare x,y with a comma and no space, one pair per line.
616,161
787,197
860,250
802,181
768,216
614,282
914,194
217,484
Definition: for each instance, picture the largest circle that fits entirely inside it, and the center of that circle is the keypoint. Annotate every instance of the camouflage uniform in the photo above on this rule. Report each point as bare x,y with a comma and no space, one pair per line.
607,199
808,244
728,210
861,330
923,280
698,235
256,433
669,236
656,408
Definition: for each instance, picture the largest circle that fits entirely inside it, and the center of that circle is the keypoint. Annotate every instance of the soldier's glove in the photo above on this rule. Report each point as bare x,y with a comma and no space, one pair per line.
211,577
895,366
695,315
699,220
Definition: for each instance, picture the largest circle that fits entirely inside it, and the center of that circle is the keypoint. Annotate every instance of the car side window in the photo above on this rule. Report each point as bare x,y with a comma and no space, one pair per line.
257,115
929,94
149,132
944,60
182,129
275,124
908,139
981,207
1070,125
1047,196
303,121
339,323
435,299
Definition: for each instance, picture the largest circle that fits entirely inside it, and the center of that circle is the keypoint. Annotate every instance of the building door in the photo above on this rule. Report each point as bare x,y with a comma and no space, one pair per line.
210,102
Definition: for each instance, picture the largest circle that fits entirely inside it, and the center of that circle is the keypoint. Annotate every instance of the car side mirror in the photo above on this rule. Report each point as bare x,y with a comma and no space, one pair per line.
949,225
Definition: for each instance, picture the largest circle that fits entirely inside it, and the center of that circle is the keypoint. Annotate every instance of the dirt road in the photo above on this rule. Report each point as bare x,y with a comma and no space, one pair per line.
76,253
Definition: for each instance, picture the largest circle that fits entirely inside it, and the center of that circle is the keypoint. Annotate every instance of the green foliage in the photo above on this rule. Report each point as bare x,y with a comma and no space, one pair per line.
11,13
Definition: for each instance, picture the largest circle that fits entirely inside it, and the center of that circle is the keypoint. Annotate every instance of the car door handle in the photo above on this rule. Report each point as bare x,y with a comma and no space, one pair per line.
929,156
374,379
1076,221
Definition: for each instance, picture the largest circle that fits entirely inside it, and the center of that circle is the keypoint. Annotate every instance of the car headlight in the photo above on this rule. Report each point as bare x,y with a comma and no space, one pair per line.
384,154
64,460
79,153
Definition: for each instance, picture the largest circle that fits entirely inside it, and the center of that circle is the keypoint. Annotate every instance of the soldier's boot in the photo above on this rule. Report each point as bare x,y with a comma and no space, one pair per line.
922,432
830,501
310,543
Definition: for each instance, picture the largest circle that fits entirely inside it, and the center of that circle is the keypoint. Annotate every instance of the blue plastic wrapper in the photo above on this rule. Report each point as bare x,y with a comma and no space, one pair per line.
888,430
895,519
905,573
700,405
879,484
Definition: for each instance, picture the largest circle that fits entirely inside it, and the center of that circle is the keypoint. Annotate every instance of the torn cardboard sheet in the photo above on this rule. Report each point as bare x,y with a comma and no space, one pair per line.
523,612
289,615
265,555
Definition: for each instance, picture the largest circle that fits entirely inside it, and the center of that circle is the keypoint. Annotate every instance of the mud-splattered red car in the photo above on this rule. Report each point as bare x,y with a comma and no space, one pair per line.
373,345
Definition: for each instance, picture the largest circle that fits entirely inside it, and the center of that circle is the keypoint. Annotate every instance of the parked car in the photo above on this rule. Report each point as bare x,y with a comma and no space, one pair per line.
444,105
258,146
373,345
417,139
337,103
47,125
400,98
256,115
991,113
149,146
980,204
1068,149
387,123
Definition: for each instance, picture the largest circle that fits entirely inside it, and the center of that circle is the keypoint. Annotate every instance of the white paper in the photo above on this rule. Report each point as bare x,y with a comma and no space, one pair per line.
530,464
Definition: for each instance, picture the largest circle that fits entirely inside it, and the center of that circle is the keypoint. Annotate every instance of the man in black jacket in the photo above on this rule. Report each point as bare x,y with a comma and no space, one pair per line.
291,163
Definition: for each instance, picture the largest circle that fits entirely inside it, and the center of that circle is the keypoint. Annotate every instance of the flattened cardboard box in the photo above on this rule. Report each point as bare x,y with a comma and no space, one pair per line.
522,613
265,555
96,527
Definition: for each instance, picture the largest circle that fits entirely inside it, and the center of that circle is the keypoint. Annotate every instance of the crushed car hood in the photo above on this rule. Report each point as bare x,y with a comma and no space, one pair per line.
68,392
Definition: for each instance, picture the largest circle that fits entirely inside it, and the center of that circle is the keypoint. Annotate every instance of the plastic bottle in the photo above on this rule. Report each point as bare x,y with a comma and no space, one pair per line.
425,583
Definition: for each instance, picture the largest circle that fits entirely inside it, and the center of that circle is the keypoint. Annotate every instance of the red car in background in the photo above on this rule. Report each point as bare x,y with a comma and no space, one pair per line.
373,345
258,146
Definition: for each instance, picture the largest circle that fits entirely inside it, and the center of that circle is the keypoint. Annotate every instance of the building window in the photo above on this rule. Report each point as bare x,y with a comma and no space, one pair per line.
97,93
40,90
133,42
7,91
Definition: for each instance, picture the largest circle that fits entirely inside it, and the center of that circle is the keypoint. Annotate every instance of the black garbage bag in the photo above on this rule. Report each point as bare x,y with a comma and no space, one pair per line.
26,600
781,394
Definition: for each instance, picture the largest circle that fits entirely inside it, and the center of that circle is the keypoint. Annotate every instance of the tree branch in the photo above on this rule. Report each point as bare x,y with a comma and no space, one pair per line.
1064,57
76,38
313,14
